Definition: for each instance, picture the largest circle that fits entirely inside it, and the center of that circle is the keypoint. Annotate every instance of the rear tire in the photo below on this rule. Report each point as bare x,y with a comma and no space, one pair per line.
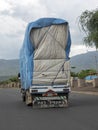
23,95
23,98
67,96
66,100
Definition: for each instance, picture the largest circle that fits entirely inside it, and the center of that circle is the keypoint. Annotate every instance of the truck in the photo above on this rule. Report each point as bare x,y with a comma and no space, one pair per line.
45,63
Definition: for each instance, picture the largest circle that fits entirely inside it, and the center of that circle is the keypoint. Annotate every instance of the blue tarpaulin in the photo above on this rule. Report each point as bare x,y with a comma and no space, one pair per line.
91,77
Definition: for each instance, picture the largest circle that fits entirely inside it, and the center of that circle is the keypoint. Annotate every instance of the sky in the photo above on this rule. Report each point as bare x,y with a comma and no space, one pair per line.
15,15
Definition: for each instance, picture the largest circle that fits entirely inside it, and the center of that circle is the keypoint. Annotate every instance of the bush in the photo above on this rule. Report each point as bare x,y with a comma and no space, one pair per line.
85,73
14,79
73,74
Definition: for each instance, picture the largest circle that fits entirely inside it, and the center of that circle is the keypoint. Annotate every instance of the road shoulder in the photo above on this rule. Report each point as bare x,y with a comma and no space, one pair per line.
85,90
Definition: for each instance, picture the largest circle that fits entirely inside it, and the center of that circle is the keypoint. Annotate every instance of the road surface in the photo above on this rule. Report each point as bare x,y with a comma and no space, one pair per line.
82,113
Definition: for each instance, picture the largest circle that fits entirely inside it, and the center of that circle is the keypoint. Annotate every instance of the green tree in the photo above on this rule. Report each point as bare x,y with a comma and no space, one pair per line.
85,73
73,74
89,24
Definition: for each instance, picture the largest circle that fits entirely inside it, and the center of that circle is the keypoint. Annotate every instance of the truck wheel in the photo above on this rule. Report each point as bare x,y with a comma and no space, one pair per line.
28,99
67,96
23,95
23,98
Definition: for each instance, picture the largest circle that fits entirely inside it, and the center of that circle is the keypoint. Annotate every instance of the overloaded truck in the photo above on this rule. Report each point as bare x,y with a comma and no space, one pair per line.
44,63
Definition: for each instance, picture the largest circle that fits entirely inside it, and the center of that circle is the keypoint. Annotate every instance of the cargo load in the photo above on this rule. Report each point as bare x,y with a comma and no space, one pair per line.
44,60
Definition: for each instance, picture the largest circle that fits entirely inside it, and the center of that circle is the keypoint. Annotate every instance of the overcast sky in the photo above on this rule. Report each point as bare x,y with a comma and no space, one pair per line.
16,14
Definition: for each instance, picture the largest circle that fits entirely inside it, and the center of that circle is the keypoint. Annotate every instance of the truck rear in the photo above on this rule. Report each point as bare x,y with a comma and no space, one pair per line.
44,63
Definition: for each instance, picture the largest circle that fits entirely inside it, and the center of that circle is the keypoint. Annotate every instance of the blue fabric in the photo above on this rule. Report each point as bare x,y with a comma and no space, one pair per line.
67,50
91,77
43,22
26,53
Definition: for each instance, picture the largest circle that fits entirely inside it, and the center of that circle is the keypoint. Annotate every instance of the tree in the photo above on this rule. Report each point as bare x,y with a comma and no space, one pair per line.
73,74
85,73
89,24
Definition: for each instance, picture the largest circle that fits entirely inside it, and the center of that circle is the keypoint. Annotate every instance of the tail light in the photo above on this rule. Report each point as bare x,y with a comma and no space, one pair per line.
34,90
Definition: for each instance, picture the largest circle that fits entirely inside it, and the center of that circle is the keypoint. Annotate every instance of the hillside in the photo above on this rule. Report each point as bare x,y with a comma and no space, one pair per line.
85,61
88,60
9,67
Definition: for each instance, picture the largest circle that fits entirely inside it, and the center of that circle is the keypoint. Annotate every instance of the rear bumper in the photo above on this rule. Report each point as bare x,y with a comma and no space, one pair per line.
59,89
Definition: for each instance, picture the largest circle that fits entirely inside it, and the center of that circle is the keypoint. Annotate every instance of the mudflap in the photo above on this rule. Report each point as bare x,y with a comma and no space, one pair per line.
50,102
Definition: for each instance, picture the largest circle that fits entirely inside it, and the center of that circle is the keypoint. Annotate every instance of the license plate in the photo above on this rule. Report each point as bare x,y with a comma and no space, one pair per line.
49,103
49,98
49,93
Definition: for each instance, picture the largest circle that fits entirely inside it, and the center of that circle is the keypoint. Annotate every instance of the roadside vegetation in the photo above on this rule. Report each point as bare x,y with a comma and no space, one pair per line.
83,73
88,22
13,79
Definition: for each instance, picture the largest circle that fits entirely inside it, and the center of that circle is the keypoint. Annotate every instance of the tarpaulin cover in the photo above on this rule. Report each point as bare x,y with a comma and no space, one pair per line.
44,56
91,77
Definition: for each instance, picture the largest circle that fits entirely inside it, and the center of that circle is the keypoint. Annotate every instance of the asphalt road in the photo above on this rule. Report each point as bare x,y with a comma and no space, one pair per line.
82,113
